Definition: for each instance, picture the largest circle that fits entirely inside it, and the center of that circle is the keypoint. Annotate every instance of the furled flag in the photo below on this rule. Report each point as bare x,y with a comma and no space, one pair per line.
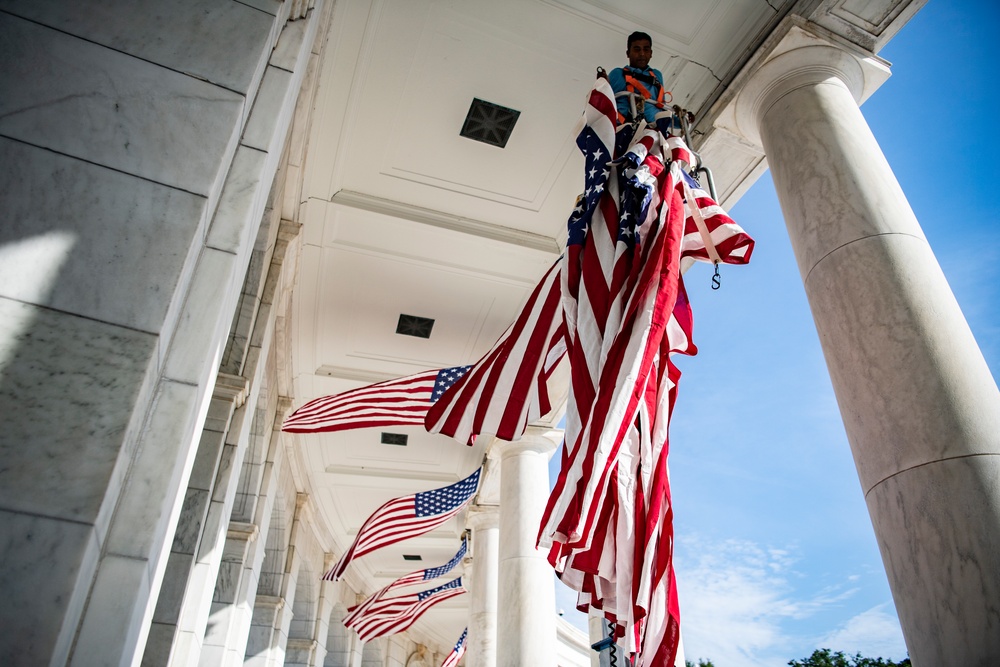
457,652
405,517
400,402
609,517
389,616
420,576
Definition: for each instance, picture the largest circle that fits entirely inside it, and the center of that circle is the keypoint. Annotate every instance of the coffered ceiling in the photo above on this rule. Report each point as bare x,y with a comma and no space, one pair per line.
402,215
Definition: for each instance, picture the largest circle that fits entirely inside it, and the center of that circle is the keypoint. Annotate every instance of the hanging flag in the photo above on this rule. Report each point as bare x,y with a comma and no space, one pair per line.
457,652
389,616
507,388
400,402
405,517
609,518
709,233
411,579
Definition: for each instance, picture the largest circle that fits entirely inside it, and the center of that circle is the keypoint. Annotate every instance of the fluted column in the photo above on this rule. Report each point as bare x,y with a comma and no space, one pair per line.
921,410
481,644
526,626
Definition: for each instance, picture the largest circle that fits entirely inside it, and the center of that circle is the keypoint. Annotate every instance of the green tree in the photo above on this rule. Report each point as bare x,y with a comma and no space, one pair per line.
701,663
824,657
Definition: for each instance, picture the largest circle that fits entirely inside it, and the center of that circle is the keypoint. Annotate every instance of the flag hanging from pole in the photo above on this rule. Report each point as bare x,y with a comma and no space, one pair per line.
405,517
388,616
457,652
507,389
400,402
420,576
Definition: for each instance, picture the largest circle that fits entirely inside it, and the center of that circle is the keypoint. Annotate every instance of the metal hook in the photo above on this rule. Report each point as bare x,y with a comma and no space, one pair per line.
716,279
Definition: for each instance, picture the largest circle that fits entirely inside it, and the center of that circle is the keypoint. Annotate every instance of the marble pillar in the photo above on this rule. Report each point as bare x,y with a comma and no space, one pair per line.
481,643
186,588
526,630
921,410
134,175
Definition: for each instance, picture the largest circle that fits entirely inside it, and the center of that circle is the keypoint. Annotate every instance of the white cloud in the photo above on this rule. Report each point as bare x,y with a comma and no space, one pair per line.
747,605
873,633
736,598
732,598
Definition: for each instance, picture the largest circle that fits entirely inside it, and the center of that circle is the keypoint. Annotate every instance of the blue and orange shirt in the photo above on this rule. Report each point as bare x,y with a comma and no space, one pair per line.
647,82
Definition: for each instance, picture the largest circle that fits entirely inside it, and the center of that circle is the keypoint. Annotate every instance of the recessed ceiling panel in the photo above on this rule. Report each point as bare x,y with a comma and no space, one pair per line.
363,295
460,58
426,456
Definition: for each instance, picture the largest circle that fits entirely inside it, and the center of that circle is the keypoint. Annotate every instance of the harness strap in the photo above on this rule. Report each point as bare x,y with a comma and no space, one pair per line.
699,221
632,84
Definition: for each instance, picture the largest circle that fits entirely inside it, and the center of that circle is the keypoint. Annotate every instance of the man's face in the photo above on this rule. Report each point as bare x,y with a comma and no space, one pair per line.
639,53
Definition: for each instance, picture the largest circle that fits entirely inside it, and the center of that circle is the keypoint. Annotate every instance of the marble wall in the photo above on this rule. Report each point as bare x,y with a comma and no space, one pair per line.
138,144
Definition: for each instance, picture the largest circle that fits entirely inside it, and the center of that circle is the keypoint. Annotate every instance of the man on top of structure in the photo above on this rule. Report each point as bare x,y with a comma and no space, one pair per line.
640,79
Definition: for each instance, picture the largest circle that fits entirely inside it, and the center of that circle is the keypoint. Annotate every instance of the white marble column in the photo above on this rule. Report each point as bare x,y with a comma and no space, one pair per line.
921,410
481,644
526,624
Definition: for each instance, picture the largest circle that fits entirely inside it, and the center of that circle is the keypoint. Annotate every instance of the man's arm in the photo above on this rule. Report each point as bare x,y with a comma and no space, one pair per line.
616,78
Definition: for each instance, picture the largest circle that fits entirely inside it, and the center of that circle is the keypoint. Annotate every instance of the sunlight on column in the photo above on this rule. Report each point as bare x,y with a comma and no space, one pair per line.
28,271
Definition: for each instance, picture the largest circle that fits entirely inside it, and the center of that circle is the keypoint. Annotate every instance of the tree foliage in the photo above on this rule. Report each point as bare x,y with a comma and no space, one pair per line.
824,657
702,662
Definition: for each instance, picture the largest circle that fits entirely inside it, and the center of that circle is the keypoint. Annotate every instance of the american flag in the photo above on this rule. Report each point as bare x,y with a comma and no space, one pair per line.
389,616
457,652
420,576
400,402
405,517
507,388
609,517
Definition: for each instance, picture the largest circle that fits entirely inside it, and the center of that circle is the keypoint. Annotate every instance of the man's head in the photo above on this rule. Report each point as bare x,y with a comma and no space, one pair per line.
640,49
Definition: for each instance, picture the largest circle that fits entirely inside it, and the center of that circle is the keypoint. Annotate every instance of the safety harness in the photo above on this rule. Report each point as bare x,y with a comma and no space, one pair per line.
636,81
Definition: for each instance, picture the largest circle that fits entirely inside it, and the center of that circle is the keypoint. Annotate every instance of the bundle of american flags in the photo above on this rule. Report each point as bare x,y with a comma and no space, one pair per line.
616,307
608,521
382,614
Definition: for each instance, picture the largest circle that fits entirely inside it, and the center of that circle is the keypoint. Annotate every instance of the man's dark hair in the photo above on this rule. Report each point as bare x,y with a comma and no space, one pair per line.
636,36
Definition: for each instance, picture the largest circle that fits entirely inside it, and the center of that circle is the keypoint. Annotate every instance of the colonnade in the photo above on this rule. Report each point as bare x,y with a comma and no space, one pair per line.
921,409
159,388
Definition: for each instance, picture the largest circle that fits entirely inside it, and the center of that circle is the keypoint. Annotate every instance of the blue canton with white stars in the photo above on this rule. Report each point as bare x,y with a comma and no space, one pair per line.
461,640
439,501
454,583
435,572
597,172
636,196
445,378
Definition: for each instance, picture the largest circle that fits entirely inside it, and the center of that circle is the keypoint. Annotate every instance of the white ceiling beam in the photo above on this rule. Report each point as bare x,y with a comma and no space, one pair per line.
457,223
365,473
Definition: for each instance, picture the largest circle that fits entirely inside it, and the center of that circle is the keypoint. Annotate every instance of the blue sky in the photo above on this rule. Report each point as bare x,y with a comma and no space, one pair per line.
776,555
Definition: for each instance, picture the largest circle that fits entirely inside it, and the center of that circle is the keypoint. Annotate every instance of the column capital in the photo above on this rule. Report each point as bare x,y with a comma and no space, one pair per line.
481,517
535,439
805,55
246,532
